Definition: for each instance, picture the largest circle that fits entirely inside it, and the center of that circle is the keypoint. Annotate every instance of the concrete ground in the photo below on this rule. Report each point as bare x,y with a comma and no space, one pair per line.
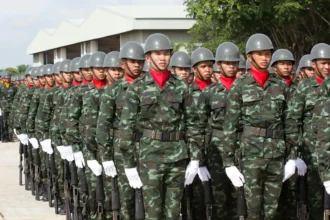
15,202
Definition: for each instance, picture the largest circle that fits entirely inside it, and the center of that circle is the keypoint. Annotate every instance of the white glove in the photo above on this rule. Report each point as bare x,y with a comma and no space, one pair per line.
34,143
289,169
204,174
95,167
0,112
301,166
61,150
235,176
47,146
327,186
23,138
68,153
133,178
191,172
109,168
79,159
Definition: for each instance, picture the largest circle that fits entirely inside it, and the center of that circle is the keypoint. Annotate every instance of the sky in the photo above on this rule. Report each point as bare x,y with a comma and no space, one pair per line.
21,20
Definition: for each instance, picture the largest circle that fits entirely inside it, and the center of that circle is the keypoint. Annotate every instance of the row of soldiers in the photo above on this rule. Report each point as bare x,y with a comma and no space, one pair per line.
104,138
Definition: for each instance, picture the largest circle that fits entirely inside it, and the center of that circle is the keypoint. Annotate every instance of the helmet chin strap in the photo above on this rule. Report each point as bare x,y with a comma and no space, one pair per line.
152,60
317,68
129,69
198,73
254,61
223,72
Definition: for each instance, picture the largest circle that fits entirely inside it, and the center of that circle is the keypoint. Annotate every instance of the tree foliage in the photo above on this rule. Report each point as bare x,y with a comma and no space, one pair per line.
296,25
22,68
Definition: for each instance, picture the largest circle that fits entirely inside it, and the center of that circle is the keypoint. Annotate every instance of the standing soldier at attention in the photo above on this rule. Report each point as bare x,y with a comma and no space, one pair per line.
161,106
180,64
256,102
112,67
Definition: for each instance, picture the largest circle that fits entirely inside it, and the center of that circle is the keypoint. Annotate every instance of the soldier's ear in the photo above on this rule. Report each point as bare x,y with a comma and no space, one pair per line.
249,57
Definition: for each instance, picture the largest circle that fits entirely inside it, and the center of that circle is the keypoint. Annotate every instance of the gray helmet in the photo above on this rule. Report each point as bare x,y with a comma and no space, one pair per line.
146,67
201,54
112,60
258,42
227,51
65,66
56,68
271,70
6,75
305,61
97,59
282,55
157,42
40,71
34,74
180,59
48,69
215,68
132,50
84,61
74,65
28,71
320,51
247,64
242,62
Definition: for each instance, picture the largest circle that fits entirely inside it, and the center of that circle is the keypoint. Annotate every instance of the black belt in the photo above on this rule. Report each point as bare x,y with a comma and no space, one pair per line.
263,132
218,133
118,134
163,135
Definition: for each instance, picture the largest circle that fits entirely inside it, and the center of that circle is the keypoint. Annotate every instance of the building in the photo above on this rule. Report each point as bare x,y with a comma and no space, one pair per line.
107,29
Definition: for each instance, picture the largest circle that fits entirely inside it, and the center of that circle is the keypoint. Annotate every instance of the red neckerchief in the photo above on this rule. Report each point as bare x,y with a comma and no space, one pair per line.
288,81
48,87
99,84
76,83
64,87
160,78
319,80
260,77
128,79
30,86
202,84
41,87
85,82
227,82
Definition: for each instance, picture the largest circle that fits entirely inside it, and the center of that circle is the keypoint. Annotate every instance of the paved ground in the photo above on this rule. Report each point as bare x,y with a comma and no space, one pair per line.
15,202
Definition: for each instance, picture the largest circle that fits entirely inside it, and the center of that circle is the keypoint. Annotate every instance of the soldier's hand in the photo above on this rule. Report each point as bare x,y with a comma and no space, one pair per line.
47,146
95,167
235,176
34,143
79,159
289,169
327,186
204,174
109,168
191,171
133,178
301,166
68,153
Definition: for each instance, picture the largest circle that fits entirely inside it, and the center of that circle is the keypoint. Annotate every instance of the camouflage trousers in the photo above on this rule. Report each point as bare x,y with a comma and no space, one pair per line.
263,183
59,173
162,188
42,167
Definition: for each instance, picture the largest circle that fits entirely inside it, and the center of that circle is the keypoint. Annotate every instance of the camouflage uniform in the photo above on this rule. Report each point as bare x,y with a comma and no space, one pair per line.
299,116
14,114
260,111
8,94
160,113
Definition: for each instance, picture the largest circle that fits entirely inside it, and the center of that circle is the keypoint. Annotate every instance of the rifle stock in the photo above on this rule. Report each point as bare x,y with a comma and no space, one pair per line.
302,203
139,206
67,193
208,199
241,204
26,167
84,197
75,191
115,200
20,166
37,174
31,167
100,197
189,194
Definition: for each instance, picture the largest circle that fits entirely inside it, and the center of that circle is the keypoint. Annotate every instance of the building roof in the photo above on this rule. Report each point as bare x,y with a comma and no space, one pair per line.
111,20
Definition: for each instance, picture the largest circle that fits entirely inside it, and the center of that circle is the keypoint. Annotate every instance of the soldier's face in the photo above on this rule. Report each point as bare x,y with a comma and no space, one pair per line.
99,73
322,67
50,80
205,70
132,66
6,80
87,73
58,79
309,72
29,80
240,72
36,82
181,72
160,58
77,76
116,73
42,80
67,77
260,59
283,68
229,69
190,78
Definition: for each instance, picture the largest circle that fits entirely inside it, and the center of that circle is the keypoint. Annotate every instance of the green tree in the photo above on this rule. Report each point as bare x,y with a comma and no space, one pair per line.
22,68
13,71
295,25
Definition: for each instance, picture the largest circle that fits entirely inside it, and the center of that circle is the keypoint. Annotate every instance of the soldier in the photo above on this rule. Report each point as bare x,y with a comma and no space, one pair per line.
256,103
305,68
131,58
77,75
7,95
241,67
300,115
180,64
161,106
114,72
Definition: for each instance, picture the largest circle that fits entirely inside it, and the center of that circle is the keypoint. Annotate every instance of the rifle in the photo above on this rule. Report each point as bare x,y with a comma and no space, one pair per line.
26,167
49,180
31,167
20,166
67,191
100,197
302,202
75,190
139,206
208,199
326,205
54,182
84,195
188,191
241,205
37,178
115,200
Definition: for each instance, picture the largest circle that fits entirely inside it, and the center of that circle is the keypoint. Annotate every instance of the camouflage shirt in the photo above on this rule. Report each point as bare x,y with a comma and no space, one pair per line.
30,122
255,108
8,94
24,108
160,110
15,112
